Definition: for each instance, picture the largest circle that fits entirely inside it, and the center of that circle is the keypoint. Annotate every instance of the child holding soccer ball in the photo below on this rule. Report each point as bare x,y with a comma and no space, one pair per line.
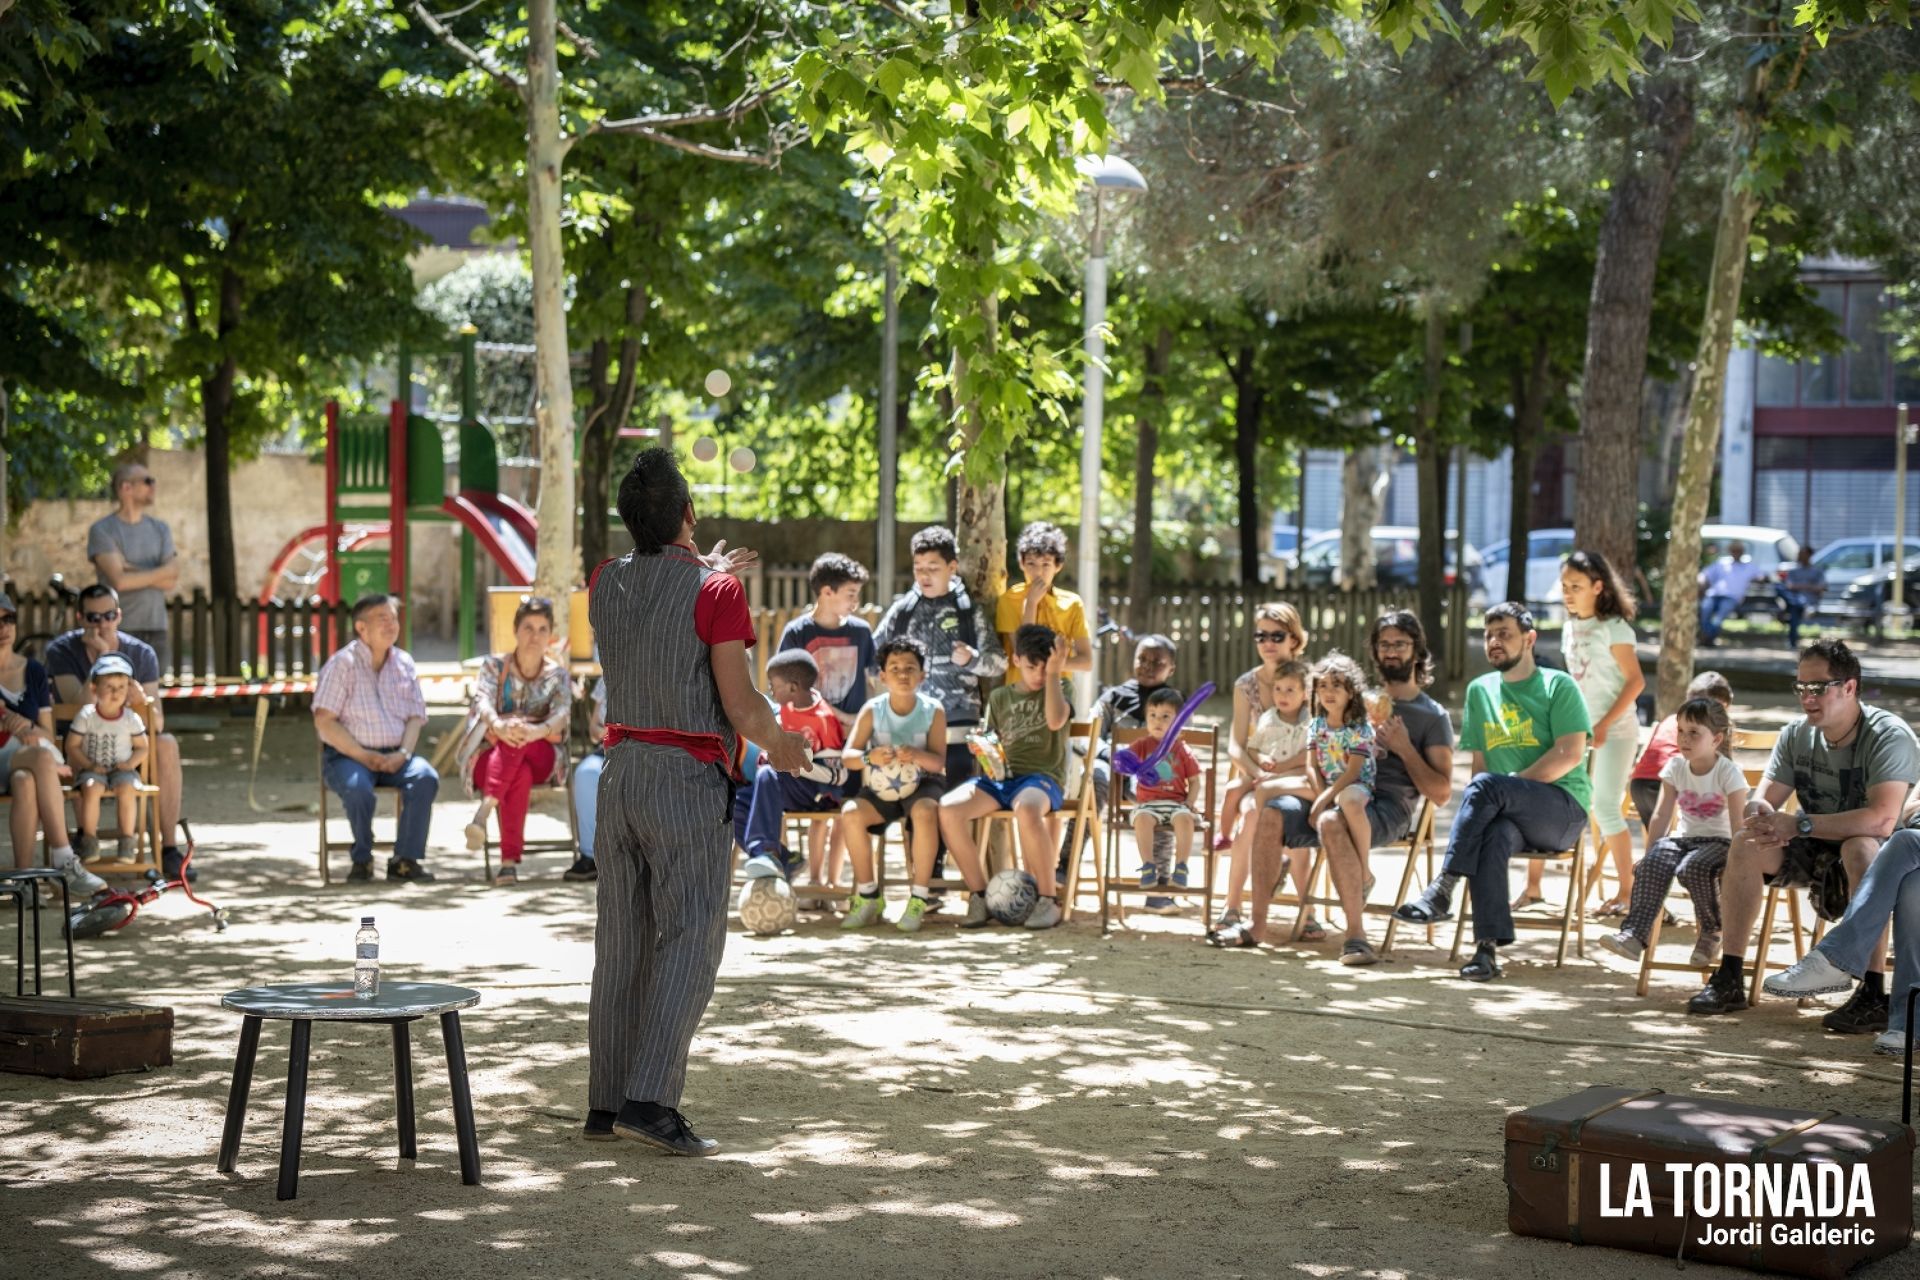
902,773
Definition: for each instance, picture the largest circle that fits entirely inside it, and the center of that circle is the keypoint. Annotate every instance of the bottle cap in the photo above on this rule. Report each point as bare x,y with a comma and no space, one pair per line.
366,922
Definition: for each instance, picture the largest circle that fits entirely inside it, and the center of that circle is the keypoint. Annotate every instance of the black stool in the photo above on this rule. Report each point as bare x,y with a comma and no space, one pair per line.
398,1005
23,886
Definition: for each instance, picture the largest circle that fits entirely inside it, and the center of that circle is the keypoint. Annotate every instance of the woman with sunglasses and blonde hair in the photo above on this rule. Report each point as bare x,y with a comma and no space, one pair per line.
1279,637
516,732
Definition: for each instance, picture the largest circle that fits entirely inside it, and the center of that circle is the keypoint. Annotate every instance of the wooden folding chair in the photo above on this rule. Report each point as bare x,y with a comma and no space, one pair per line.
1572,922
541,844
1205,745
1319,876
329,846
1084,815
145,818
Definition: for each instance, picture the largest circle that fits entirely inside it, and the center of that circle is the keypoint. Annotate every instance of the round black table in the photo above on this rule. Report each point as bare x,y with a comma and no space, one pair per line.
305,1003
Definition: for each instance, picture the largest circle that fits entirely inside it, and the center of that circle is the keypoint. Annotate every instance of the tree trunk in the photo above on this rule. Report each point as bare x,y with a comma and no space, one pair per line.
5,510
1533,390
1619,314
557,558
610,410
1247,400
1693,486
1153,405
1363,484
1430,463
216,405
980,498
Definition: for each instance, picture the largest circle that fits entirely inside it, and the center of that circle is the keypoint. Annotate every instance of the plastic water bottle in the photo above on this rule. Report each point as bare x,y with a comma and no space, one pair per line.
366,960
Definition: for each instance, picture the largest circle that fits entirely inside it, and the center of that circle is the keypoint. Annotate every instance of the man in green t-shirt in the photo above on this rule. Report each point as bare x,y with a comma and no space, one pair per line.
1527,728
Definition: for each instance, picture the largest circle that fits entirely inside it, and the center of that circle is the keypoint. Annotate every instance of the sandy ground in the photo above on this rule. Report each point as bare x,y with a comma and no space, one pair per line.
999,1103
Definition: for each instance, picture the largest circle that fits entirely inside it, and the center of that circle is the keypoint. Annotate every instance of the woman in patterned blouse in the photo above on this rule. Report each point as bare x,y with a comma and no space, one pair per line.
516,733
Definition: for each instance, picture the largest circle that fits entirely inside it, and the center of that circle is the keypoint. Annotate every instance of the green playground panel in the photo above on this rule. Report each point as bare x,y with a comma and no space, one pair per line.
362,573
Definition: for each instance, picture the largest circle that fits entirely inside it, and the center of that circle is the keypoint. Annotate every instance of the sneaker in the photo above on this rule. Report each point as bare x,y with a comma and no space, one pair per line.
1485,965
1162,905
916,911
362,873
977,917
87,849
127,848
1625,945
1891,1043
1045,914
505,873
1179,875
1722,994
1814,975
1222,842
1358,951
1149,876
1866,1011
762,866
83,884
663,1128
599,1127
863,911
476,837
1706,951
410,869
583,868
171,862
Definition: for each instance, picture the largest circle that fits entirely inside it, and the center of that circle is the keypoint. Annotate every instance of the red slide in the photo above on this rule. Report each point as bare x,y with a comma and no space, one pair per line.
513,556
516,514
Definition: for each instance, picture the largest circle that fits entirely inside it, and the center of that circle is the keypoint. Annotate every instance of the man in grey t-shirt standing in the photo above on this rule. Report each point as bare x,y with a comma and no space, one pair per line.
133,553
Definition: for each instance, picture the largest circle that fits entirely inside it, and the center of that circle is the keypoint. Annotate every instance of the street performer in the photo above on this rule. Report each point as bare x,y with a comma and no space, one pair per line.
673,630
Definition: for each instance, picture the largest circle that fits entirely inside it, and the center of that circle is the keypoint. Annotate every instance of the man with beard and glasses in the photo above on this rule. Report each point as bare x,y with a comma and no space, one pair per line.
1415,743
1527,728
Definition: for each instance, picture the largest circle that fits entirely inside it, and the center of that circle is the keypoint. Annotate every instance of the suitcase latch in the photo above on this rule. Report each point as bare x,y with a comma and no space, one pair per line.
1547,1159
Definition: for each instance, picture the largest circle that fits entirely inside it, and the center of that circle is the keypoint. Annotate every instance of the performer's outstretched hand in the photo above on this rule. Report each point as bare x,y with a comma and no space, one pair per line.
789,752
733,562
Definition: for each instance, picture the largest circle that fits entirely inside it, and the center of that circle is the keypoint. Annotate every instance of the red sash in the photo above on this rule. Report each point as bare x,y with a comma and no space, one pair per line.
707,748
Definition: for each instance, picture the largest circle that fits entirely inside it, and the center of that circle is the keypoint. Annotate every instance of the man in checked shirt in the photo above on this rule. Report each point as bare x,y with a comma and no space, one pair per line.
369,711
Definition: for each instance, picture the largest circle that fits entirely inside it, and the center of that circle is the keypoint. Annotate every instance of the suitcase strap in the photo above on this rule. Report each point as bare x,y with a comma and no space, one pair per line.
1573,1133
1784,1134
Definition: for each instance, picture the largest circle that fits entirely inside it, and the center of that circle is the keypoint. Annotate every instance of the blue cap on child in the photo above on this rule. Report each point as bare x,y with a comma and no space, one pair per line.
111,664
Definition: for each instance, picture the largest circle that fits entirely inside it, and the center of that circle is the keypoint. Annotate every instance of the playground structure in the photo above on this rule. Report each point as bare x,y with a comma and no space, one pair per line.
388,472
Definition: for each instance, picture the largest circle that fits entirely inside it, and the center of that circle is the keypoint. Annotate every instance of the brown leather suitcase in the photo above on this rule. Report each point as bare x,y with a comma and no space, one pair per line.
82,1039
1802,1192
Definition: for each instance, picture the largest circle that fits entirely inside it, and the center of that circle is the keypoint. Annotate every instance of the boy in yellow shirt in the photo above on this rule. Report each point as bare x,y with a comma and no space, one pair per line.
1042,552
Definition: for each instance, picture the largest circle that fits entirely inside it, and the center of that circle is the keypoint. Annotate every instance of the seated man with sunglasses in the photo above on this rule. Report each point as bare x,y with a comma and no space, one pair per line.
69,660
1850,766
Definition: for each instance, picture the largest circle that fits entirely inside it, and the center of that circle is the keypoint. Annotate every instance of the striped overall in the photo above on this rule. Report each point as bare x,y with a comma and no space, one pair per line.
663,844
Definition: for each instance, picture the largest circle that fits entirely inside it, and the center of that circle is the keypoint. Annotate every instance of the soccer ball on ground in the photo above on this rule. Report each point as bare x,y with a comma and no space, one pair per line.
1012,896
767,906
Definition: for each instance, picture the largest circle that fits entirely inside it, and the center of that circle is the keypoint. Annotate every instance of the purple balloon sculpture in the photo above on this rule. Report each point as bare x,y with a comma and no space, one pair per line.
1128,762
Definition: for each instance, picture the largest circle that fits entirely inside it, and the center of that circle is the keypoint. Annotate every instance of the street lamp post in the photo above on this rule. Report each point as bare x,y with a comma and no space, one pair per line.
1898,613
1104,174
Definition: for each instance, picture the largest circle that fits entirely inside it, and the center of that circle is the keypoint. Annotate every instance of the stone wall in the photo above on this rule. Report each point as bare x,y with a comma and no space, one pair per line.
275,498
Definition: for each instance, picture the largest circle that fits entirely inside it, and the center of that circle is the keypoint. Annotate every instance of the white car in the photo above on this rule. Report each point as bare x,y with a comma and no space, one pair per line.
1546,549
1772,549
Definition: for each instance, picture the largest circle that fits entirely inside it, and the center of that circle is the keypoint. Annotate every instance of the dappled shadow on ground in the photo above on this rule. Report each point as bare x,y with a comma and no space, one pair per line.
1000,1103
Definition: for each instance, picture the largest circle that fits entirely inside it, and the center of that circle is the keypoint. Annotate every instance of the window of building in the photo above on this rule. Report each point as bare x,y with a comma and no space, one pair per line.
1775,382
1866,346
1820,375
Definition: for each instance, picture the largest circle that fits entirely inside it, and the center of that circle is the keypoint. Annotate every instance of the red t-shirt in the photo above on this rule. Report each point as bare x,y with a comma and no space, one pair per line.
822,727
1660,748
1173,772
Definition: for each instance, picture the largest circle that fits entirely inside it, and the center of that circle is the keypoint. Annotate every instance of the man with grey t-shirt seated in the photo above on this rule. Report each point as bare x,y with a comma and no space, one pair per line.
134,554
1415,761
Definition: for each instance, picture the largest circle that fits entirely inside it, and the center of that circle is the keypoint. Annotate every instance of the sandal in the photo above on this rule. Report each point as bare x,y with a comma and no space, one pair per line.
1233,936
1418,912
1313,931
1611,909
1228,920
1526,900
507,873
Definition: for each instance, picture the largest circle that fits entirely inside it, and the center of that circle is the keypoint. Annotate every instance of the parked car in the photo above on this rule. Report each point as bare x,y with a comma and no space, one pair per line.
1396,559
1546,549
1847,559
1865,599
1772,549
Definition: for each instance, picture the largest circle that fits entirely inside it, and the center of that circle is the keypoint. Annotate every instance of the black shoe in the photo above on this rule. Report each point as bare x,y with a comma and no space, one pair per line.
1722,994
408,869
1484,967
171,860
362,873
661,1127
599,1127
582,869
1425,909
1865,1011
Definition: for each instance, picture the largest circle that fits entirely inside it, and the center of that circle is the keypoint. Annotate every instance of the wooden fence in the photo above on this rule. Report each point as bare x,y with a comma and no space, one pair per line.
1211,625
